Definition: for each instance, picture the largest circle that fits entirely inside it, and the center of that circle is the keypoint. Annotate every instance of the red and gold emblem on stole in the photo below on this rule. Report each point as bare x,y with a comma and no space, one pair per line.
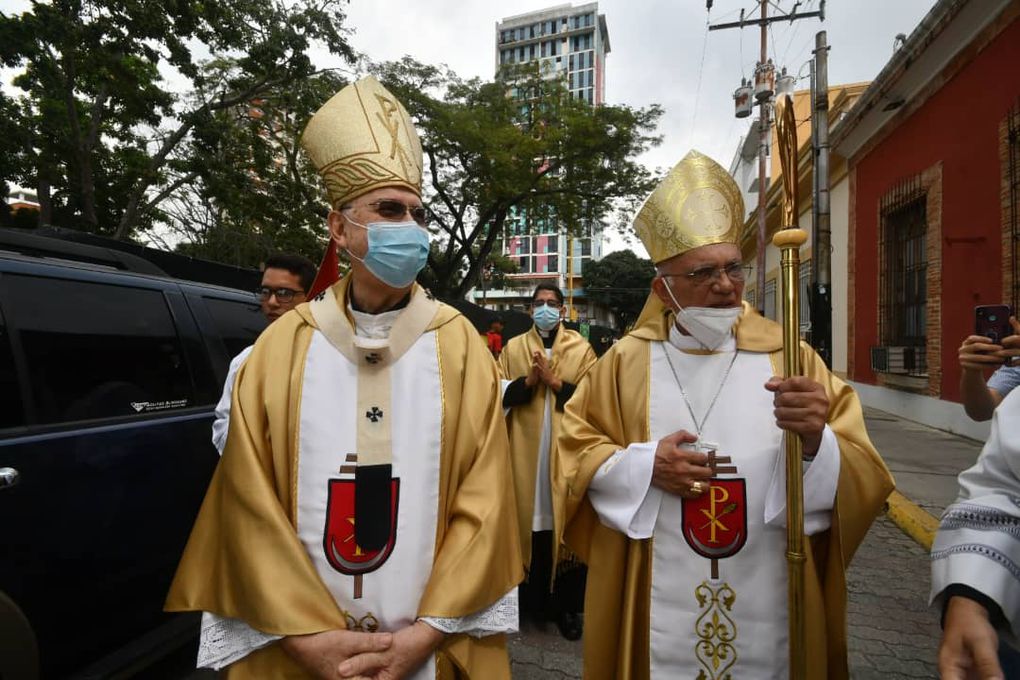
342,551
715,523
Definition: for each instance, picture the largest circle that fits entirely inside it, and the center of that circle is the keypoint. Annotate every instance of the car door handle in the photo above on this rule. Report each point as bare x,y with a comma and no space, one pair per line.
9,477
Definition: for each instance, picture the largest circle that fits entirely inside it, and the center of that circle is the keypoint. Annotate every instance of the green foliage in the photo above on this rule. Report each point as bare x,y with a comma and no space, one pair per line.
516,145
621,282
255,192
97,129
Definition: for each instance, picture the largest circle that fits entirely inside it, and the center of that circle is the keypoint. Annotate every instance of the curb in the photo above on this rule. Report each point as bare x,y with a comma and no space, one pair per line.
914,521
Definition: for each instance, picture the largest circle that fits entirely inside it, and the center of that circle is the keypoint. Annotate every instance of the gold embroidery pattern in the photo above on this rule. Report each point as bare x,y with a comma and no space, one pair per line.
366,624
390,117
348,176
716,631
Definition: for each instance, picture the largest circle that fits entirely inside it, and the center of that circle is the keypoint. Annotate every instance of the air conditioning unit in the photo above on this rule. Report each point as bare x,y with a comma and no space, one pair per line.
892,359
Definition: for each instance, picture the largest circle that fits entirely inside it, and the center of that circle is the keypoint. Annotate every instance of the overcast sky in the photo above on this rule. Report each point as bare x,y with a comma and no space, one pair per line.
657,49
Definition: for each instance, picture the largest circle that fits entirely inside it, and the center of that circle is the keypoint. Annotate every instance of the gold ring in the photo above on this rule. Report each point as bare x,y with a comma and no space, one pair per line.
697,488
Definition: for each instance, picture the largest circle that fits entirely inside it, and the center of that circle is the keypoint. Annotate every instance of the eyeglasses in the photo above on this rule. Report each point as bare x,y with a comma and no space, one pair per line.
393,210
284,295
735,271
554,304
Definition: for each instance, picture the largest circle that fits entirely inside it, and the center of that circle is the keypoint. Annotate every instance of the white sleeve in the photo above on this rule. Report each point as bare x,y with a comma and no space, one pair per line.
224,641
500,617
221,422
821,477
503,384
622,493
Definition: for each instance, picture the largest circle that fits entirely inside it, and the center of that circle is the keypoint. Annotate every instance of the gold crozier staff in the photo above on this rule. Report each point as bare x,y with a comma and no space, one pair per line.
789,240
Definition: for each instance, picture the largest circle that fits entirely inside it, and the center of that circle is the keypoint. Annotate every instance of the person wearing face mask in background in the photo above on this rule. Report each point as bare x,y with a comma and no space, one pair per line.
361,522
544,366
673,453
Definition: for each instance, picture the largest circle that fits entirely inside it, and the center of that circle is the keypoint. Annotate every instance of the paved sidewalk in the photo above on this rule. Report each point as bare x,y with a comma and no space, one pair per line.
924,461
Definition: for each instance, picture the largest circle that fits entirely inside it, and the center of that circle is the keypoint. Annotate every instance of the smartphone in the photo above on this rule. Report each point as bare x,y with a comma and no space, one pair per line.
992,321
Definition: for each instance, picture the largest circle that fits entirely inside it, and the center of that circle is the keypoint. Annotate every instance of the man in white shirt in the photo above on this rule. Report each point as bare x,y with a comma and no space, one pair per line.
286,280
974,572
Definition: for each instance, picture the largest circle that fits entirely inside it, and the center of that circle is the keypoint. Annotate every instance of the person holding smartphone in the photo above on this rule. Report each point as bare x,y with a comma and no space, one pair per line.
980,352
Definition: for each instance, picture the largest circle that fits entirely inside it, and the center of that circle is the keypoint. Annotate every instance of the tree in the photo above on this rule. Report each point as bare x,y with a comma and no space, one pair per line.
104,140
619,281
255,191
518,145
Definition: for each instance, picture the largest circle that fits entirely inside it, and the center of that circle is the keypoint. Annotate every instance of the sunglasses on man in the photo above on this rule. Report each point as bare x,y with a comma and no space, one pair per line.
392,209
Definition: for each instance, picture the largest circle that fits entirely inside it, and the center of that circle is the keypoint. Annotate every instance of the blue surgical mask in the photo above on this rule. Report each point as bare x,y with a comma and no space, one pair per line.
546,317
397,251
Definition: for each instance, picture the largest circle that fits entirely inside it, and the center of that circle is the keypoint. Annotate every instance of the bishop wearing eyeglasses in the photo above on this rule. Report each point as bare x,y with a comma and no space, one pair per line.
361,523
673,476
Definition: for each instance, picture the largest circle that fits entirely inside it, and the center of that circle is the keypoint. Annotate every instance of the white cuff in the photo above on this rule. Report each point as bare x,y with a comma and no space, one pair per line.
821,477
622,493
501,617
225,641
503,384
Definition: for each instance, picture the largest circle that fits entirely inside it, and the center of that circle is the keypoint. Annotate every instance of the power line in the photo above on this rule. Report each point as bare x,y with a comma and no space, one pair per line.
697,95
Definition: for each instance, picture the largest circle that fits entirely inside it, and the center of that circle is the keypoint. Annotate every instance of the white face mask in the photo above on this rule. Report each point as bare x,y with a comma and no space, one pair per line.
708,325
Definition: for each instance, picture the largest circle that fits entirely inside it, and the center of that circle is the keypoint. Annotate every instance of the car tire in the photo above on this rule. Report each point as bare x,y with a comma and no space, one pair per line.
19,654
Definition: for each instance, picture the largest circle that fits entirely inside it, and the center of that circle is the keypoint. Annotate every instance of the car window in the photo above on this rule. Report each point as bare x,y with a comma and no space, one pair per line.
238,323
12,413
95,350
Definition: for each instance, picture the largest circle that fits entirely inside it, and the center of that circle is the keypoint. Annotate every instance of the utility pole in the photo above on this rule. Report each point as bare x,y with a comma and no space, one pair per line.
821,237
570,277
765,123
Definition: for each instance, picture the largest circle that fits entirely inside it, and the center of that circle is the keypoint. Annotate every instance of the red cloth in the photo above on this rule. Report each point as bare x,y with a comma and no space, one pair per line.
495,342
329,271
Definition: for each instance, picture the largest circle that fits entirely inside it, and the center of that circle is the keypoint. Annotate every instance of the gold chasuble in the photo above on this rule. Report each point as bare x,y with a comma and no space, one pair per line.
245,559
572,358
610,411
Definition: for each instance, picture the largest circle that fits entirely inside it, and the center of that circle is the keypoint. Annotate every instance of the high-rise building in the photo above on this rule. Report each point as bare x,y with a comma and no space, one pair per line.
569,42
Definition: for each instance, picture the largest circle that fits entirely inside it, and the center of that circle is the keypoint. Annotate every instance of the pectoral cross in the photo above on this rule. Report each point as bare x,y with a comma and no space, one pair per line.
720,466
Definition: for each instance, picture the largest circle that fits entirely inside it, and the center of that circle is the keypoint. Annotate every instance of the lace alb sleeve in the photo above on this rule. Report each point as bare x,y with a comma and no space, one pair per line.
224,641
500,617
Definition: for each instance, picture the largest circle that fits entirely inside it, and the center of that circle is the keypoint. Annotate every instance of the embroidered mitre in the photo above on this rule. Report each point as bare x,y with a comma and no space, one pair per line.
697,204
363,139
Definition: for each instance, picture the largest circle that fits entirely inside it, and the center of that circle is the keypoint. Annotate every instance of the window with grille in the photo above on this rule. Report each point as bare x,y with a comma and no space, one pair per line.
805,295
903,297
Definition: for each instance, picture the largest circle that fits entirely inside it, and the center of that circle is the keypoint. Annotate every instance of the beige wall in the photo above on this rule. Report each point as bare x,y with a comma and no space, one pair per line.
839,198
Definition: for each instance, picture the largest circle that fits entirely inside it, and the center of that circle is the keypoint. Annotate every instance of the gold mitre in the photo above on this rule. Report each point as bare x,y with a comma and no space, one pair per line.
363,139
697,204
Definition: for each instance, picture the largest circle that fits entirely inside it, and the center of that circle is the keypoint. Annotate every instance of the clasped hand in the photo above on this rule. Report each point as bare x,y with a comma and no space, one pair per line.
350,655
542,372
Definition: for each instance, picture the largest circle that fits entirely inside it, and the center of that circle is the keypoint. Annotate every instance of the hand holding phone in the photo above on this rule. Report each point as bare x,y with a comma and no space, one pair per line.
996,340
993,322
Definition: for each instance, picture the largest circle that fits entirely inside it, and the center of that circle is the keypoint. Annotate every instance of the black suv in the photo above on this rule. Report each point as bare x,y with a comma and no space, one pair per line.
108,381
